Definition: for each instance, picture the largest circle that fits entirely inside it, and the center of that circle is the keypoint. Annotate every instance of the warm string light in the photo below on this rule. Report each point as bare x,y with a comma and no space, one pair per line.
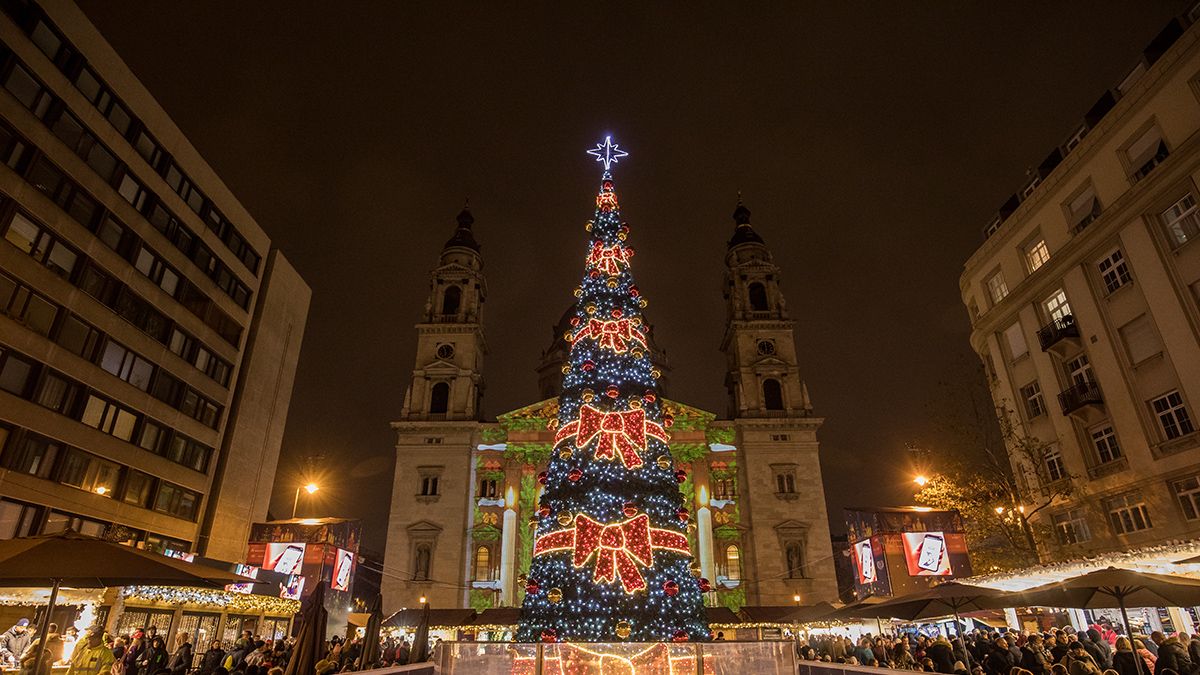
627,577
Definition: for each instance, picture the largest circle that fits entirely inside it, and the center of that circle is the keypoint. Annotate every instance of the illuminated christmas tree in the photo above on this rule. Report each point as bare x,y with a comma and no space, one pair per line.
611,560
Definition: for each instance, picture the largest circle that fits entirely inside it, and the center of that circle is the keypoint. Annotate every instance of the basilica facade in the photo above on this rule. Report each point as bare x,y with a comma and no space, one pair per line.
466,490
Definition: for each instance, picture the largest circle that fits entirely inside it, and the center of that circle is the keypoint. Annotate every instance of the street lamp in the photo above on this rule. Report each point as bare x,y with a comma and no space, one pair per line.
796,598
921,480
310,488
999,510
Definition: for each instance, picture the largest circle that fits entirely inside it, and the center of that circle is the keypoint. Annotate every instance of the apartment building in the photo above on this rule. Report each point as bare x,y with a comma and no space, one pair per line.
149,332
1083,301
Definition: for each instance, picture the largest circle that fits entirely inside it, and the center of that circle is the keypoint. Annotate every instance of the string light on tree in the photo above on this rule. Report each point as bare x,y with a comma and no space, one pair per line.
611,559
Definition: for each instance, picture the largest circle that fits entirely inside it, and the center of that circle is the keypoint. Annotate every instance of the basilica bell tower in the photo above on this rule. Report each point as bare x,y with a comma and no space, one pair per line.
437,431
776,429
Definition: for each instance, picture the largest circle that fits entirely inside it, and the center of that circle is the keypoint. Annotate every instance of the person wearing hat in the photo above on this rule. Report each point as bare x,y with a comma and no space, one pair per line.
14,641
325,667
92,657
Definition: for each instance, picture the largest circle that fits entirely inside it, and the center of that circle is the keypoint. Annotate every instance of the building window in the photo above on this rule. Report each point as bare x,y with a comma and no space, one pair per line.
1114,271
1071,527
1036,254
733,563
1055,469
451,301
88,472
1083,209
1017,347
778,438
16,519
1104,440
483,566
429,486
176,501
422,558
1187,491
488,489
1057,307
1127,513
996,287
758,298
1182,221
794,552
31,454
1035,405
724,488
785,482
772,395
1172,415
1145,153
16,374
1079,370
138,488
1141,340
439,398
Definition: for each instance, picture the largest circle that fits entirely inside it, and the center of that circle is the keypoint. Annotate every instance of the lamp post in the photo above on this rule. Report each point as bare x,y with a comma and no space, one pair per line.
310,488
921,480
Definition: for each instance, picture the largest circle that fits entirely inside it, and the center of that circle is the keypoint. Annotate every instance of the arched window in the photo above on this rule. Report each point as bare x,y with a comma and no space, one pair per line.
483,564
758,298
772,395
733,563
439,397
421,562
451,299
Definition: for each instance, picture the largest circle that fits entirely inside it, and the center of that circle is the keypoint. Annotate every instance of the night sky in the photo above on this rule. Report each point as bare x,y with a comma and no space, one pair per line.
872,141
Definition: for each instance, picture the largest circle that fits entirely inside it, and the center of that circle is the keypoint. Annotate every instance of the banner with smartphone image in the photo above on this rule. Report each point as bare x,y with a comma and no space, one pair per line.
927,554
343,565
285,558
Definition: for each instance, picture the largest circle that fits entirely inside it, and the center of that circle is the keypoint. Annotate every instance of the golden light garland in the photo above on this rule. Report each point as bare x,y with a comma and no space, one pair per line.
239,603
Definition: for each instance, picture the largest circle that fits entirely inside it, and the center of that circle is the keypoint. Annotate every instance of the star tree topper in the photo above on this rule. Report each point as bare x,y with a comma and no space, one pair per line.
607,152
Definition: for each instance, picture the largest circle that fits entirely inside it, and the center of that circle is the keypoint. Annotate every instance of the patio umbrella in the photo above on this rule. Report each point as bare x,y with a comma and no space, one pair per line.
370,650
76,560
310,639
418,654
1117,588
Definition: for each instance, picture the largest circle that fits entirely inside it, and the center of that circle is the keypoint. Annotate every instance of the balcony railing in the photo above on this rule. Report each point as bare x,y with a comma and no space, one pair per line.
1079,395
1057,330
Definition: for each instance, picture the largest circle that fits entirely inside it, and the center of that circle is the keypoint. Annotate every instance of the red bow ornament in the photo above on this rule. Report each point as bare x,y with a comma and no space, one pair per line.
616,335
621,434
606,258
620,548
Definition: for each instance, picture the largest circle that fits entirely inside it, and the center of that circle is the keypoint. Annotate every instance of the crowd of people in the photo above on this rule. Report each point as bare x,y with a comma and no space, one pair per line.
1100,650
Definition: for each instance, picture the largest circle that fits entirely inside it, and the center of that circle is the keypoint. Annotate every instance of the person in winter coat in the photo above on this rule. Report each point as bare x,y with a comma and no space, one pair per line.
212,658
1172,655
14,641
1193,646
155,658
1078,661
1034,656
999,660
942,655
1099,647
181,658
1124,660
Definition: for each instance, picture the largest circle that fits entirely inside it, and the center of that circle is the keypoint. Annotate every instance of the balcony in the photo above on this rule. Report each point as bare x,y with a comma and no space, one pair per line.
1060,335
1082,400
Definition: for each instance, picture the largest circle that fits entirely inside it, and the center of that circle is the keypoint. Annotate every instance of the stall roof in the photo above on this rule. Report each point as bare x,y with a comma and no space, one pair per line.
438,618
779,614
721,616
499,616
1162,559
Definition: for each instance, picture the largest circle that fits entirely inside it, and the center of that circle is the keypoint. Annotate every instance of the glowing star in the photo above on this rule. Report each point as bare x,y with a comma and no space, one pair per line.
622,434
620,547
614,335
607,152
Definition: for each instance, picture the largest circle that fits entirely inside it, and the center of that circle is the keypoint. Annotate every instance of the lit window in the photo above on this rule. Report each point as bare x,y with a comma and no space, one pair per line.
1172,415
996,287
733,563
1114,271
483,567
1057,307
1127,513
1036,255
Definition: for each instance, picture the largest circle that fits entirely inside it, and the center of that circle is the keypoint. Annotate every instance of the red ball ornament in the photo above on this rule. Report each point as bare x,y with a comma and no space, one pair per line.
630,509
629,252
542,477
670,588
668,421
616,313
574,321
607,184
544,511
681,475
633,291
683,515
705,585
551,635
595,274
679,636
649,397
575,475
589,365
532,587
612,391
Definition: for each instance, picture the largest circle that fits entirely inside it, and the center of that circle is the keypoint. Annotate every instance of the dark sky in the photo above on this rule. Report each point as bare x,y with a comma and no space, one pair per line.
871,140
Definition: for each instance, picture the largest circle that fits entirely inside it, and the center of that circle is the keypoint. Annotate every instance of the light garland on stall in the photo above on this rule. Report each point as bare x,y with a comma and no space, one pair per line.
211,597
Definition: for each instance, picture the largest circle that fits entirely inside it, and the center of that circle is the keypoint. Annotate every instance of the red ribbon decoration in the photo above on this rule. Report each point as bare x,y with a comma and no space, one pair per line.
620,547
605,258
621,434
615,335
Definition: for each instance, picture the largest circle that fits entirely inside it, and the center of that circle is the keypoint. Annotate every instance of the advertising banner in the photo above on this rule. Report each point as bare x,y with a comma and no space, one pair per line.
285,558
343,565
927,554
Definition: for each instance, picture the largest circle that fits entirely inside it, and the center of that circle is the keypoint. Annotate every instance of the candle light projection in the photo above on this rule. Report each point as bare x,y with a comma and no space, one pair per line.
611,560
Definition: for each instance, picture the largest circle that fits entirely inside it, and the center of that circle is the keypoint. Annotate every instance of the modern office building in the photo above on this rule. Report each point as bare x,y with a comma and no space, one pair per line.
1083,300
465,491
149,331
